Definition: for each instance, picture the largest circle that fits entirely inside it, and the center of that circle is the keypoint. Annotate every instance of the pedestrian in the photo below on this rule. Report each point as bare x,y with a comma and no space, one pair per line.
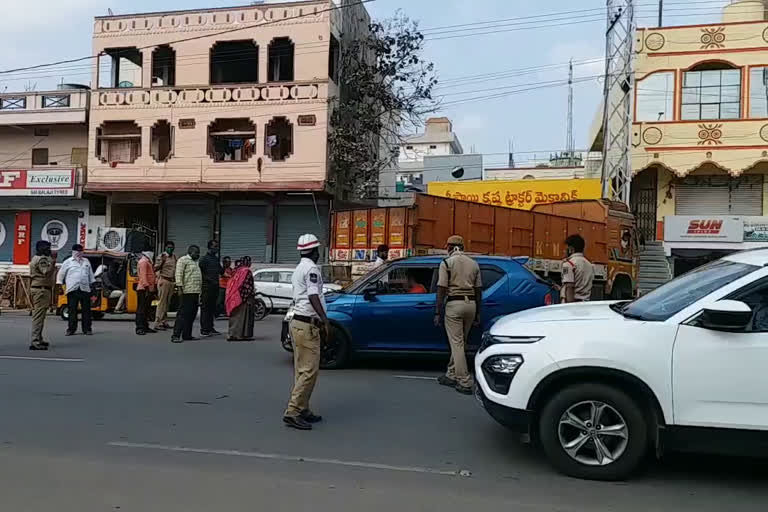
41,273
226,275
577,272
240,302
189,283
76,274
114,285
382,255
165,269
209,296
145,290
308,327
460,295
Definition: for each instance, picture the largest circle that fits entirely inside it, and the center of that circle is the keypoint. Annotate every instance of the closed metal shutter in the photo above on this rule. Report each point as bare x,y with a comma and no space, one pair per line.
244,232
720,195
7,234
294,221
189,222
59,228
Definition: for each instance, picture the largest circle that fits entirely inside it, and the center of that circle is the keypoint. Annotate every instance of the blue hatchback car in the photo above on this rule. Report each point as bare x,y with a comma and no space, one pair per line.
391,309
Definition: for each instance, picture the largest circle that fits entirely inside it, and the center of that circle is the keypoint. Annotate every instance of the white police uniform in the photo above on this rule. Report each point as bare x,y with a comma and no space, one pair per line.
307,280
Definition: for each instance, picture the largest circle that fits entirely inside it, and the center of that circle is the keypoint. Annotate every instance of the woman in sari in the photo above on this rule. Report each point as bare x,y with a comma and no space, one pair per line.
240,302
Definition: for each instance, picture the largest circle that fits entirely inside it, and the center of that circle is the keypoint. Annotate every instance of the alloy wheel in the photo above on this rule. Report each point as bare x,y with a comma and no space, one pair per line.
593,433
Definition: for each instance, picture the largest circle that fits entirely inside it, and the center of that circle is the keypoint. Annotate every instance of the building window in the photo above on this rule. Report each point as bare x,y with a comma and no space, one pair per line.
234,62
278,139
118,142
711,94
409,182
334,56
280,60
231,140
161,144
120,67
56,100
758,92
163,67
655,97
432,146
409,147
14,103
42,132
40,156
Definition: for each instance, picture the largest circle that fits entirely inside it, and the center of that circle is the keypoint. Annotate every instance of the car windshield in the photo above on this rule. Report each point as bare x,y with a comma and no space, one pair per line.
676,295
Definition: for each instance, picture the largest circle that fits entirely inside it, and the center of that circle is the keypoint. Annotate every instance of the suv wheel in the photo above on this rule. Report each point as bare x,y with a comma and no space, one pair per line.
593,431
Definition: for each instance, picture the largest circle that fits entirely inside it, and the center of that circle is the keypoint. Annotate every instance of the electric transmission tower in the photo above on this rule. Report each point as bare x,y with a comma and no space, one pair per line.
617,106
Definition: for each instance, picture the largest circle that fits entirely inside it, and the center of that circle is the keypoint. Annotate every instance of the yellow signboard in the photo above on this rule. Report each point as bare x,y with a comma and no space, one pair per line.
518,194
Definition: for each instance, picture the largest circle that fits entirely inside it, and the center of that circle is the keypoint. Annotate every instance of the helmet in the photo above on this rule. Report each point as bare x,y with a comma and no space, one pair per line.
307,243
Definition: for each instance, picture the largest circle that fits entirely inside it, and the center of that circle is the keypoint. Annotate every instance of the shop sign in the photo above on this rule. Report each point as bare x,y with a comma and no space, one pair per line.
518,194
55,232
756,229
692,228
22,238
186,124
37,182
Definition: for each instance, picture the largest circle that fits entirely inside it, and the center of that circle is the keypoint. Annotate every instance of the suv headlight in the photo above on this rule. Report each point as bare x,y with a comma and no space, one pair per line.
499,371
489,340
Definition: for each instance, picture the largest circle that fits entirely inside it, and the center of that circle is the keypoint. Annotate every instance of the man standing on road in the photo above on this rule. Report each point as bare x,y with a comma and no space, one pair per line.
41,270
165,269
460,291
76,274
209,296
382,255
145,290
189,282
577,272
308,327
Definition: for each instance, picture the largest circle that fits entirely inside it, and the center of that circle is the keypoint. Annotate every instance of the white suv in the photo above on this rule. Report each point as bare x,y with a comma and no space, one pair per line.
600,385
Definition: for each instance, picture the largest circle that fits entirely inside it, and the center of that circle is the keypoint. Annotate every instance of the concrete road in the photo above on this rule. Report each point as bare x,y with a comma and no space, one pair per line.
120,422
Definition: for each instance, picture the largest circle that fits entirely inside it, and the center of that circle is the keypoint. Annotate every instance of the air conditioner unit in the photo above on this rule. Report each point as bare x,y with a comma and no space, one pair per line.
111,239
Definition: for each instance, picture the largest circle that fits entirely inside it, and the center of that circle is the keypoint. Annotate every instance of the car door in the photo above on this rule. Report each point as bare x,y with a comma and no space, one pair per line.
264,281
396,319
719,379
284,289
495,300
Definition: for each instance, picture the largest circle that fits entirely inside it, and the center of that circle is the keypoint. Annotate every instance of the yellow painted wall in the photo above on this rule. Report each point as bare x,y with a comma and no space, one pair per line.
518,194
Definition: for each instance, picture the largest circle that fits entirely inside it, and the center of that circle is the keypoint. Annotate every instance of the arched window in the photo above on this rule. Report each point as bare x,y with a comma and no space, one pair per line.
280,60
711,90
163,67
231,140
278,140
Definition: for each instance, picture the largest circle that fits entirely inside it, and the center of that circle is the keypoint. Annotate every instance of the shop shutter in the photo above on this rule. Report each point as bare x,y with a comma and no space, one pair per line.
244,232
747,195
59,228
294,221
7,233
702,196
189,222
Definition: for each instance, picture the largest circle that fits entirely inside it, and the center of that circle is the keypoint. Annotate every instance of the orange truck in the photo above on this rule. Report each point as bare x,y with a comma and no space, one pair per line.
539,234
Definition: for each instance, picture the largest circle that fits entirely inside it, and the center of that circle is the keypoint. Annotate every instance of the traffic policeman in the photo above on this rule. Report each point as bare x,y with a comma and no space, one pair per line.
308,327
41,270
577,272
460,295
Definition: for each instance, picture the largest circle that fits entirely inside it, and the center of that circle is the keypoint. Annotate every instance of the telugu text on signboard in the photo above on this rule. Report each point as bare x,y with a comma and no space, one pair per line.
519,194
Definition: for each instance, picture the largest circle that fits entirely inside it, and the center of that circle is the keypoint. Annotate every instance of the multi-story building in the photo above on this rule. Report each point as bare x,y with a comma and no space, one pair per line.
43,153
213,123
700,134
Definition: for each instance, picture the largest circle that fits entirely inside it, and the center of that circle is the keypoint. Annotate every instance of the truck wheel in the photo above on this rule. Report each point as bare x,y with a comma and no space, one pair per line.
594,431
334,354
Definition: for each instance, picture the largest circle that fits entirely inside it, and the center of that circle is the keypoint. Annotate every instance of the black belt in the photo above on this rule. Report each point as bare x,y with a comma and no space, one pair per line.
308,320
462,298
39,287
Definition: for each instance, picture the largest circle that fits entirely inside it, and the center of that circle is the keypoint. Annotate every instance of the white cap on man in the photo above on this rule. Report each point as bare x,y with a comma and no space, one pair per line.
307,243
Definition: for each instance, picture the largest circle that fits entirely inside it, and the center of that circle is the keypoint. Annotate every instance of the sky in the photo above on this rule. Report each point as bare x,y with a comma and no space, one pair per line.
498,38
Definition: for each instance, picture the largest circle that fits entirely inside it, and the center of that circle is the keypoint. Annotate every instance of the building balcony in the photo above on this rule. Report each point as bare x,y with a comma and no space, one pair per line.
50,107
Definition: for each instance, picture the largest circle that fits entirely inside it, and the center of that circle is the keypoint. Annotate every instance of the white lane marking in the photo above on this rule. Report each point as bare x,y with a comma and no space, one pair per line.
415,377
58,359
289,458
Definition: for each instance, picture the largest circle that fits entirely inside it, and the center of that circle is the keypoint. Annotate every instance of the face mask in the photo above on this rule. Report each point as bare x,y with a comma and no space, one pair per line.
77,255
195,257
169,250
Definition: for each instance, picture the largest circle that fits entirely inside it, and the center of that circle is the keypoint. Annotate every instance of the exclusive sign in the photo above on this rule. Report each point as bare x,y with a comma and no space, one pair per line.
688,228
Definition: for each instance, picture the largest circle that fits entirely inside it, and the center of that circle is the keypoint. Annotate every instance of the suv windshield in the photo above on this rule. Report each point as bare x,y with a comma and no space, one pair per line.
676,295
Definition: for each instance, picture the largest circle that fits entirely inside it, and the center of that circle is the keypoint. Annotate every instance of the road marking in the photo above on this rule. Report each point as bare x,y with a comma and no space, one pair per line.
415,377
289,458
57,359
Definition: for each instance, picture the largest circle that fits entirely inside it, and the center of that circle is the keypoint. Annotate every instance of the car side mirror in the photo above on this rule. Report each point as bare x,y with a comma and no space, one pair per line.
370,290
726,315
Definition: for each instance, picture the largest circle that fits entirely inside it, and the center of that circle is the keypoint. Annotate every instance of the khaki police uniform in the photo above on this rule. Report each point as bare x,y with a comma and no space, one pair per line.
460,274
578,271
305,331
165,266
41,270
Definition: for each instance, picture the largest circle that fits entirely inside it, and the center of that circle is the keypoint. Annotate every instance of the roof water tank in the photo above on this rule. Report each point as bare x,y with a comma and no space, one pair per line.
744,10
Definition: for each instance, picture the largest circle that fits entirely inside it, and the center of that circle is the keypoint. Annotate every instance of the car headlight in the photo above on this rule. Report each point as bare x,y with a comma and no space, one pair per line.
500,370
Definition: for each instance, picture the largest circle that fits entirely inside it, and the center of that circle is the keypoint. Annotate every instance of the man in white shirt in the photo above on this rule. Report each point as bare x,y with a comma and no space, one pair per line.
308,327
382,255
76,274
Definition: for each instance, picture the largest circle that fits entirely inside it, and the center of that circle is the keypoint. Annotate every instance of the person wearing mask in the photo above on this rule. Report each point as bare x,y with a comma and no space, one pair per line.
460,294
76,274
308,327
209,296
41,271
189,283
240,302
110,280
165,270
382,255
577,271
144,293
226,275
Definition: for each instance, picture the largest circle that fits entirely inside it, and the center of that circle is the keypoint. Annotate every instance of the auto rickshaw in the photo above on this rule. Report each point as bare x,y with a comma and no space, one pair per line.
102,300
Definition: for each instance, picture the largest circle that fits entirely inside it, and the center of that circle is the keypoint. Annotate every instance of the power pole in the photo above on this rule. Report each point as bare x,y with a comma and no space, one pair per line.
570,143
617,100
661,12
